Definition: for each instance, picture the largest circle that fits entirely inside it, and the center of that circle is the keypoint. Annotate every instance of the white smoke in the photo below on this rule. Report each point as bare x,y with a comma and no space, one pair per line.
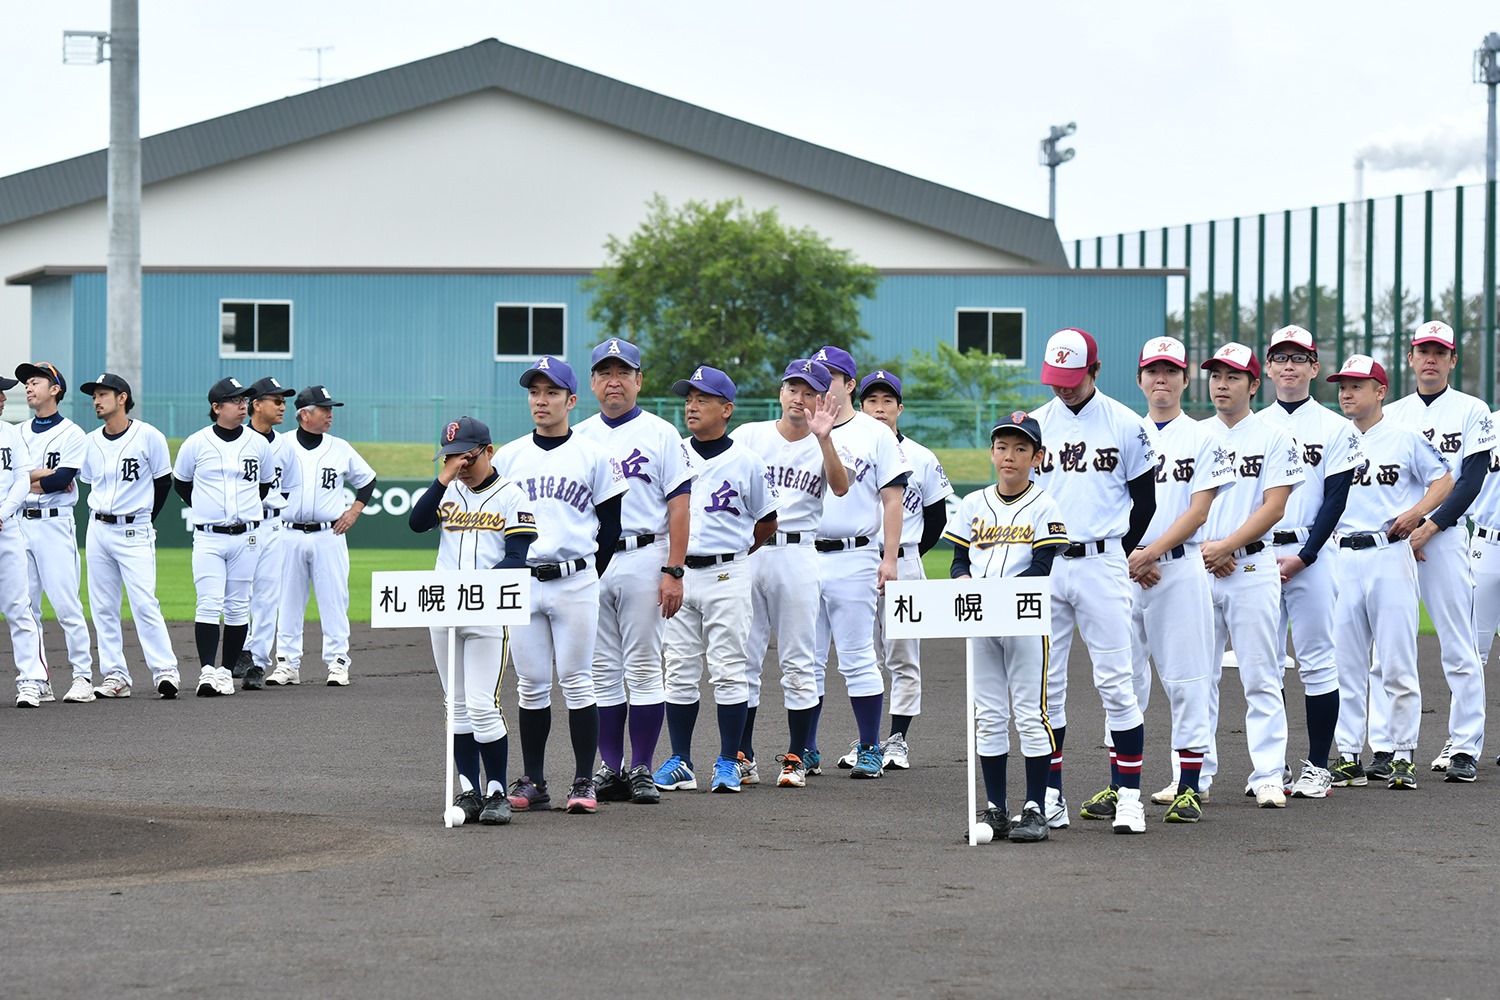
1445,148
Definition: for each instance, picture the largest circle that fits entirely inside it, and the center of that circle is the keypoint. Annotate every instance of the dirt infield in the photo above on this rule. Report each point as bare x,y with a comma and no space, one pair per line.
291,840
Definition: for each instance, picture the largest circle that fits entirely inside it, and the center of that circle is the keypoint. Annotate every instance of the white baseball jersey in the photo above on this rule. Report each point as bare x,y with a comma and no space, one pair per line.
928,485
563,486
226,475
1263,457
123,471
1000,534
475,523
733,491
874,458
796,470
1188,461
1457,424
286,470
1329,444
1486,509
315,493
60,446
654,461
1090,458
15,473
1400,463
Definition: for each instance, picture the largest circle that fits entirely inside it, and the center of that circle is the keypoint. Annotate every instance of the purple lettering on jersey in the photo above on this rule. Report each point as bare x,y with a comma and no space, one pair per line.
860,468
911,501
720,500
575,495
633,467
788,478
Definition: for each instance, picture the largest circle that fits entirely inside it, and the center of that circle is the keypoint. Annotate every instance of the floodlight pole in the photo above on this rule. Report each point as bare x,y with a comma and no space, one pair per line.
1487,72
123,280
1052,158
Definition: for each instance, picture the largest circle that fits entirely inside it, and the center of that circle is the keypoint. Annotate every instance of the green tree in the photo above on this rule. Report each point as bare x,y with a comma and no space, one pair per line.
976,387
724,286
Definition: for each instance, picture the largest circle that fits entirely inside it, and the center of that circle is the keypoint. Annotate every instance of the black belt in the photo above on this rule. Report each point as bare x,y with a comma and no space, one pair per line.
230,529
784,538
1177,553
37,513
703,562
840,544
1363,540
1251,549
1487,533
640,542
310,528
1285,538
119,518
554,571
1080,549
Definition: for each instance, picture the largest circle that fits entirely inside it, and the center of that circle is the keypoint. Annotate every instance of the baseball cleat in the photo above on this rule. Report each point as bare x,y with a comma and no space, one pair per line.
1031,827
1313,783
338,672
1101,805
851,758
470,803
1403,775
243,664
114,686
870,763
1440,762
1381,767
81,692
1461,767
526,794
1167,795
584,797
793,774
496,811
1270,796
814,761
1130,814
1057,810
1186,808
166,687
610,785
749,772
28,694
996,820
44,689
896,753
1349,773
726,776
643,790
675,774
254,679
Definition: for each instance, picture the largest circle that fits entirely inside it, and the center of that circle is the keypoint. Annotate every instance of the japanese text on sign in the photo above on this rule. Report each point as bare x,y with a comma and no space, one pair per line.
985,607
439,598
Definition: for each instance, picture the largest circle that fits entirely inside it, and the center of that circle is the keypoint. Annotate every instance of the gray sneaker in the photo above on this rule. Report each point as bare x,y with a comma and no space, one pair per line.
895,752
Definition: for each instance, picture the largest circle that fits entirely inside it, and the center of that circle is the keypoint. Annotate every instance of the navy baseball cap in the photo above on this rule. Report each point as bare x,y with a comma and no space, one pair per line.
556,370
876,379
261,388
461,435
7,383
314,395
226,389
42,369
838,359
1019,422
810,371
709,380
617,350
108,380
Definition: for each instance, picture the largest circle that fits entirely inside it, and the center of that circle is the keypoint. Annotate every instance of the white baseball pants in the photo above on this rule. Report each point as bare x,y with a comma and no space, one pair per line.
223,571
1171,624
478,665
847,582
15,604
901,657
265,593
1010,682
713,623
1377,606
1093,592
1307,609
52,568
627,650
319,559
122,559
782,578
564,623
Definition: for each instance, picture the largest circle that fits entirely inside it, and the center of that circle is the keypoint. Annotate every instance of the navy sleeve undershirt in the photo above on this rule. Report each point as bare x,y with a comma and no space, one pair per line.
1335,497
1470,478
934,520
424,513
58,480
1142,508
163,490
609,531
1041,561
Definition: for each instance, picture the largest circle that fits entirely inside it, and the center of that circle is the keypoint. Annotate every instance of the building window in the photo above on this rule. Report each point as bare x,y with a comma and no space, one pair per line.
994,331
255,329
524,331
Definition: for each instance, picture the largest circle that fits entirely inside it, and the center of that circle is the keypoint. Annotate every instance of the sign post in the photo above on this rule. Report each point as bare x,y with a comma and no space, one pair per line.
450,599
983,608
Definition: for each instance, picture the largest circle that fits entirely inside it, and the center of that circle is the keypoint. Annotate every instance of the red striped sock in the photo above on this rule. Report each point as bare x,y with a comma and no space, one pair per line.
1129,769
1192,767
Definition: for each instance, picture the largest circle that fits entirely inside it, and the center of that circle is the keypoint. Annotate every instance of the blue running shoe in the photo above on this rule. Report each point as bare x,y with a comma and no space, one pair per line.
675,774
726,775
814,761
868,763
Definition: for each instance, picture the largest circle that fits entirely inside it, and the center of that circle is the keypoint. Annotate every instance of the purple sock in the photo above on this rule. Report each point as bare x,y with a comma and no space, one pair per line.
645,729
867,711
612,735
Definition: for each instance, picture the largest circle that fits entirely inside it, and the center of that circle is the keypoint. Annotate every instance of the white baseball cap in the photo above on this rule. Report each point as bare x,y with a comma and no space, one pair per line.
1236,356
1360,366
1068,357
1295,335
1164,349
1434,331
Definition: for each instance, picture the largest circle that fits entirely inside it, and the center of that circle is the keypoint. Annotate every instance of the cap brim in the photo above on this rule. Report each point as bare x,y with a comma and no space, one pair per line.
88,388
530,375
815,387
1339,376
879,383
24,372
1292,343
1067,378
458,448
1207,365
684,386
1015,429
1163,357
614,357
283,393
1420,340
8,383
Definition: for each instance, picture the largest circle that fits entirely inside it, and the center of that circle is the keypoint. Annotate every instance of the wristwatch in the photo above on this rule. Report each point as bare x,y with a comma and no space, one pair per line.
675,572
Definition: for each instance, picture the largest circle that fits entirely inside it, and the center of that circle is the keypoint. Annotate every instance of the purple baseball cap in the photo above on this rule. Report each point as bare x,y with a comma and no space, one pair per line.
810,371
837,358
709,380
617,350
556,370
877,379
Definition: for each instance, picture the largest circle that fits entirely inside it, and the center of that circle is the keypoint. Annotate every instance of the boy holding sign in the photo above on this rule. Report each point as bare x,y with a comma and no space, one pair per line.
1010,529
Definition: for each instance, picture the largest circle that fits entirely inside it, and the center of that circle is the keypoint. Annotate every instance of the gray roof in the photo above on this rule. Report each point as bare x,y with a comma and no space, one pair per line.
491,63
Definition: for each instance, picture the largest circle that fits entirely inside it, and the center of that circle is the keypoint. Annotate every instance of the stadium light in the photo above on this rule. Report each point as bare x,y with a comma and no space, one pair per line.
1052,158
84,48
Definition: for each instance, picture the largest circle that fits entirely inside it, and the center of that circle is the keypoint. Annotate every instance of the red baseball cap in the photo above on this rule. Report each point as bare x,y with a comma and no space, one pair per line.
1435,332
1168,349
1360,366
1069,356
1236,356
1295,335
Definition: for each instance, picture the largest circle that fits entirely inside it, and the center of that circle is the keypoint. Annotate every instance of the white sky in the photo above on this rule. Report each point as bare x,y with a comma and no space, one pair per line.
1185,111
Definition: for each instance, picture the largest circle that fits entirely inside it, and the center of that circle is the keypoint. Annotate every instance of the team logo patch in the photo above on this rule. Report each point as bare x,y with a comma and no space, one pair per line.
1061,355
697,376
1018,416
451,432
614,347
523,517
541,364
1056,528
723,577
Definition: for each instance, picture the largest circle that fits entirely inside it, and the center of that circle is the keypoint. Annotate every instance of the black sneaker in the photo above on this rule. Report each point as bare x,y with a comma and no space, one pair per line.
1101,805
1403,774
1381,766
997,821
242,666
496,811
470,803
255,679
1032,826
610,785
1461,767
643,790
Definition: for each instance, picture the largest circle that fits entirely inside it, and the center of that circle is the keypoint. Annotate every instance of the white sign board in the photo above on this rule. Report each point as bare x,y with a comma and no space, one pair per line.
989,606
450,598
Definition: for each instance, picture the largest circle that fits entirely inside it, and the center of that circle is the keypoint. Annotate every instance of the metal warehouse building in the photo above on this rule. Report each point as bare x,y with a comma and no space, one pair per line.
418,234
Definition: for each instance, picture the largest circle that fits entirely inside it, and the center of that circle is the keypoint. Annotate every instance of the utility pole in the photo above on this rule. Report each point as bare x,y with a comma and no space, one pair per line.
1052,158
1487,72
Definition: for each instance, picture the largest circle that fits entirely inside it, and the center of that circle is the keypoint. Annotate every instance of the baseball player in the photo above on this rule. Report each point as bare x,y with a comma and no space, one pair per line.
129,470
575,490
1100,467
55,445
1485,551
1330,453
267,409
857,543
1461,429
15,595
802,464
1010,529
223,472
924,511
733,512
1172,611
486,525
1238,554
642,588
1402,480
316,518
